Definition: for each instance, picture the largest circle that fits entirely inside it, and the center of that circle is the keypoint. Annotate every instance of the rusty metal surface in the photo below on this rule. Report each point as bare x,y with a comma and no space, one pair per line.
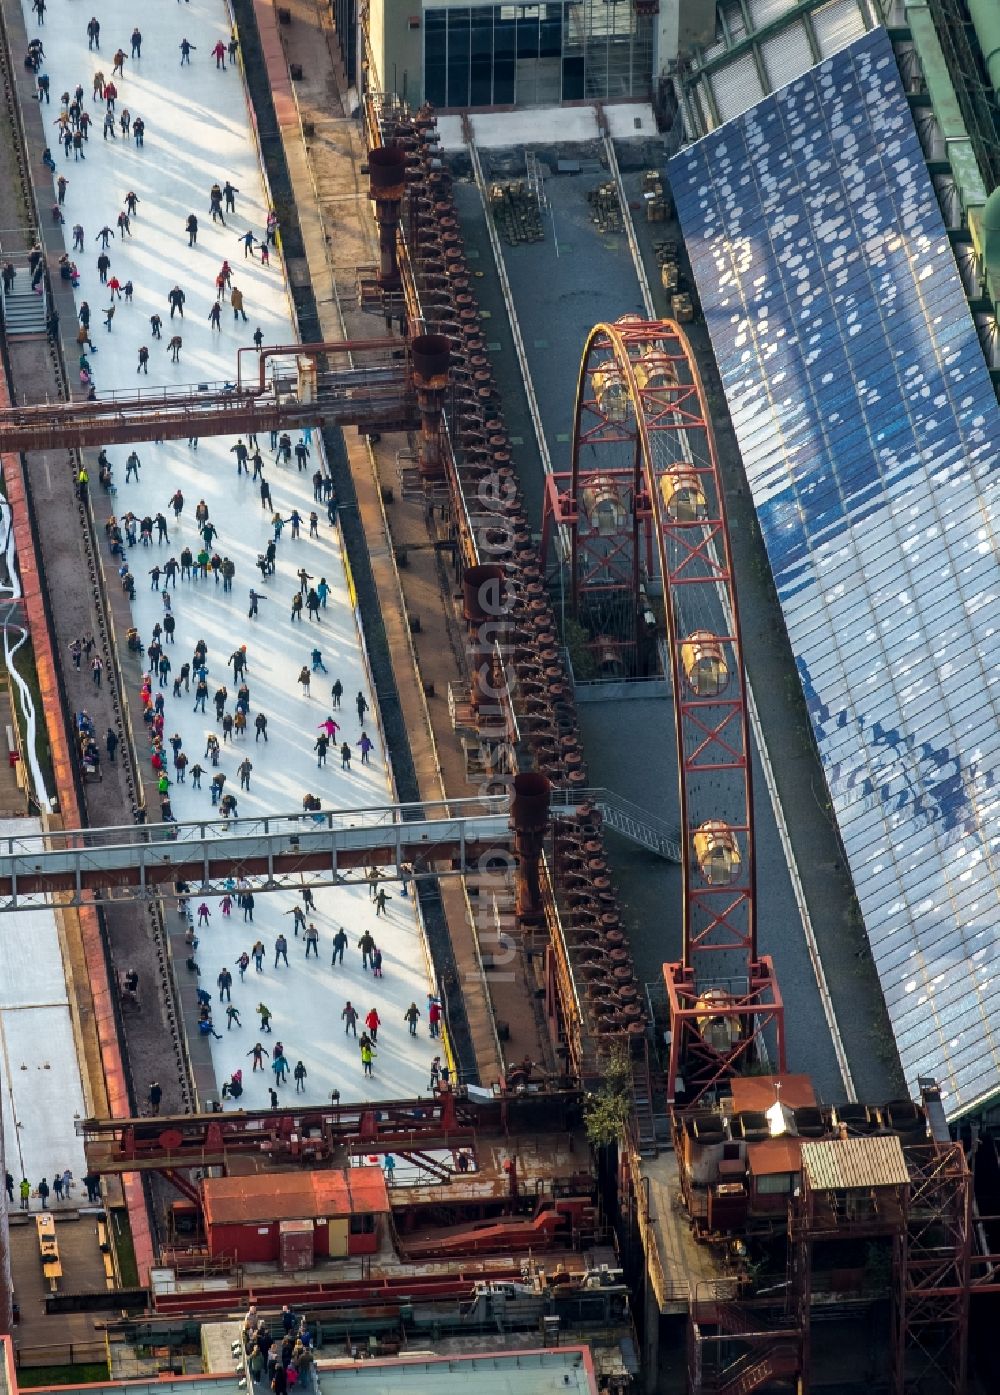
541,1164
215,410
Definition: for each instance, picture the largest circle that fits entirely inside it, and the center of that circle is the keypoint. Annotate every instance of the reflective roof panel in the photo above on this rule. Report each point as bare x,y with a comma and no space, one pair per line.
868,428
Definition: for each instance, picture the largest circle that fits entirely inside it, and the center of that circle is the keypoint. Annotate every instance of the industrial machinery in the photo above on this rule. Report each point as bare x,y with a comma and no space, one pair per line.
644,507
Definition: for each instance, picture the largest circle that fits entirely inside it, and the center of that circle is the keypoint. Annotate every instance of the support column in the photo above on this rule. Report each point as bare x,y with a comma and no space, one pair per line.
6,1282
650,1338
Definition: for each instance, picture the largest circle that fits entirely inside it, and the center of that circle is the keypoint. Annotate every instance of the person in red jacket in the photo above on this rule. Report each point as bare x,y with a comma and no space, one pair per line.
434,1017
219,54
373,1022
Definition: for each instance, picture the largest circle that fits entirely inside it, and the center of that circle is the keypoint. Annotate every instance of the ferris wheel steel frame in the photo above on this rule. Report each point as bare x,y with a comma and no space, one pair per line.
657,436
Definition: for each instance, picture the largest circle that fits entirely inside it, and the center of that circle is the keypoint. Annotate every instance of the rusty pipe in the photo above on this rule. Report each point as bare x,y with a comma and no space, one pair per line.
529,820
430,358
386,185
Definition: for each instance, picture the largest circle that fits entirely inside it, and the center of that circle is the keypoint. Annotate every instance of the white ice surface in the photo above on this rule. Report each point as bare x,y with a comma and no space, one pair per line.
42,1093
197,132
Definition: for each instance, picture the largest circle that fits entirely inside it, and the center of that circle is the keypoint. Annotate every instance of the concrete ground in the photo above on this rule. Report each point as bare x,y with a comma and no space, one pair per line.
72,1337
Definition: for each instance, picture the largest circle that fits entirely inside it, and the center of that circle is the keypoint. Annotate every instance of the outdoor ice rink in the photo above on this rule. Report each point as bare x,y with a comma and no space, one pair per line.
42,1093
197,132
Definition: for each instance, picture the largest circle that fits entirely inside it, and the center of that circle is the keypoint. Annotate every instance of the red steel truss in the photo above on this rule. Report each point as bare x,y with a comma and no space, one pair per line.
933,1273
644,509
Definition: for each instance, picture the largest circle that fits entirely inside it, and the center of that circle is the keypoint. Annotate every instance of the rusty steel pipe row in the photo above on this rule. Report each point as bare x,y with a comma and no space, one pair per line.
542,699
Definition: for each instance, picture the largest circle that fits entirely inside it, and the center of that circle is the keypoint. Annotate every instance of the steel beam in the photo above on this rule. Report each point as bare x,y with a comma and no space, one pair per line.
211,410
417,1125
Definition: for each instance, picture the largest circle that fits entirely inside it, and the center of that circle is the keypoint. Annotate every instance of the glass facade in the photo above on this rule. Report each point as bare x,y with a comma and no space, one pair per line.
866,421
536,55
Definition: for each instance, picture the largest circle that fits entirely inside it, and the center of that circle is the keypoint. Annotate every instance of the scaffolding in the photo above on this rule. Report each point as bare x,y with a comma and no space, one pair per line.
891,1181
932,1267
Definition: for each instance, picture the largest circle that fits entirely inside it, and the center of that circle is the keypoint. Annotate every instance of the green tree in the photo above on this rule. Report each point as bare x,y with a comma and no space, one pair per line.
581,656
607,1109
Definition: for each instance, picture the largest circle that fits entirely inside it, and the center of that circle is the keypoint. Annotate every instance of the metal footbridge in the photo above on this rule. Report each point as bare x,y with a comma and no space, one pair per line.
318,848
283,387
315,848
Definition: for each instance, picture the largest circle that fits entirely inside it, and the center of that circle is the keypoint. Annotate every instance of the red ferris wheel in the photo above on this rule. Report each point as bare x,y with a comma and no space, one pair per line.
640,519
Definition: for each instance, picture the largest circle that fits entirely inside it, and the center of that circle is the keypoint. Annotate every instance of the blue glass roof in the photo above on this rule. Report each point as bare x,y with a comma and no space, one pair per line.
868,427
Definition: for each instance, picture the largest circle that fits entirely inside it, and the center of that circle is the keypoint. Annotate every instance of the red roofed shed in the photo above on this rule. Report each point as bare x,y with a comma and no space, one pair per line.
292,1218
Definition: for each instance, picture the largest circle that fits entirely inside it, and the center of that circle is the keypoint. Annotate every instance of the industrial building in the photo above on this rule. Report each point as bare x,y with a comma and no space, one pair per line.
625,1012
526,1373
479,56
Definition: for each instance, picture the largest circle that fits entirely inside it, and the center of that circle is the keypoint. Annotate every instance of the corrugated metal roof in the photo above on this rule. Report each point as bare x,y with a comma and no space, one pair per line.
836,25
849,1164
779,31
288,1196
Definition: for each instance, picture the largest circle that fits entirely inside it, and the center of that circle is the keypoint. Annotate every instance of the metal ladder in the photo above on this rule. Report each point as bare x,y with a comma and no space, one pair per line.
642,1103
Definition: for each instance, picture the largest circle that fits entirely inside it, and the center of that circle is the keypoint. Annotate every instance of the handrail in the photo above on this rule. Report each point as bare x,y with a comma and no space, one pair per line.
607,801
267,860
199,830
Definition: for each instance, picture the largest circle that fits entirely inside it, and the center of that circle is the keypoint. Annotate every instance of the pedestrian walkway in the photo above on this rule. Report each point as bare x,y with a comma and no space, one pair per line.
196,136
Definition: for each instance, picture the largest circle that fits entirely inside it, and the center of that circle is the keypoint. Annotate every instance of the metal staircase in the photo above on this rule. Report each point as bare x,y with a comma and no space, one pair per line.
24,314
754,1369
736,1350
642,1102
629,820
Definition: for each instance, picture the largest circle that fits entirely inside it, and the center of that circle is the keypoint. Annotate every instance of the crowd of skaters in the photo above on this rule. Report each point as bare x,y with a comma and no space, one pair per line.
253,959
174,558
73,123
